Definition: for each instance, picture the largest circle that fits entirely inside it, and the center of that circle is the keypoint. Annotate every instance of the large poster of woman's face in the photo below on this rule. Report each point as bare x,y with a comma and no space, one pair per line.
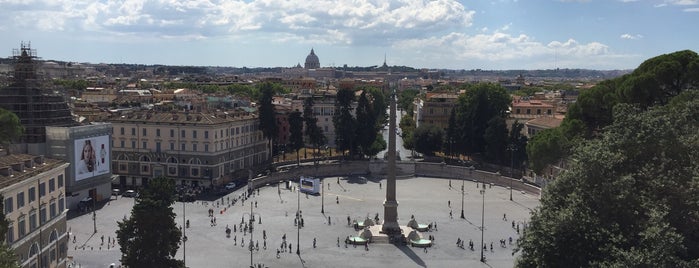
91,157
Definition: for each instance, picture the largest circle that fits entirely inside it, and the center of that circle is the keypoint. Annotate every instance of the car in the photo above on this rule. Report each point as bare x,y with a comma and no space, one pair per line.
230,186
116,192
130,193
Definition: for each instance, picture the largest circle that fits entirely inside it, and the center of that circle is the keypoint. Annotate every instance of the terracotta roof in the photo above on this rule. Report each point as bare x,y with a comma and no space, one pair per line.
545,122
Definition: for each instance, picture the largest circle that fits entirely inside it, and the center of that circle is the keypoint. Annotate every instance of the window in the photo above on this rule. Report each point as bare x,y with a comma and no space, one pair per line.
122,144
122,131
183,147
52,185
42,189
133,132
21,227
157,146
548,111
195,172
194,147
145,132
529,111
60,181
206,134
517,111
9,205
32,220
11,233
206,147
157,132
145,145
42,214
52,209
172,146
61,204
183,134
172,133
133,144
32,194
538,111
194,134
20,200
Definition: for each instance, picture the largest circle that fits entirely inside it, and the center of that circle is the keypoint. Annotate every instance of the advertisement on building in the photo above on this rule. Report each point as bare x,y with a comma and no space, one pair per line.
309,185
91,157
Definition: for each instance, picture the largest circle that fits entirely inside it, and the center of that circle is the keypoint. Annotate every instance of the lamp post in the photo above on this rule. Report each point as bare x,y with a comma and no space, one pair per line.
184,234
482,221
470,173
252,222
94,212
322,194
298,225
511,148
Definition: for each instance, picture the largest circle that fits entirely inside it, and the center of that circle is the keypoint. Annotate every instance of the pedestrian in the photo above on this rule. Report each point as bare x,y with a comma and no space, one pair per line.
338,241
379,185
329,221
337,199
449,203
289,247
504,217
314,242
450,214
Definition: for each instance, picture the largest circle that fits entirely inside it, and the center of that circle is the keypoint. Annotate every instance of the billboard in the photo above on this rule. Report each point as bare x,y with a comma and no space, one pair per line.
91,157
309,185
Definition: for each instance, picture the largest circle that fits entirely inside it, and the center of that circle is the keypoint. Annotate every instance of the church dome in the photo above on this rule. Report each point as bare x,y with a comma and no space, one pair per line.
312,61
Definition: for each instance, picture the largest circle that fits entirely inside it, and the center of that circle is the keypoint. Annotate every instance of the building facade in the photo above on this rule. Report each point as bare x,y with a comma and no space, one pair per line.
195,149
33,188
434,109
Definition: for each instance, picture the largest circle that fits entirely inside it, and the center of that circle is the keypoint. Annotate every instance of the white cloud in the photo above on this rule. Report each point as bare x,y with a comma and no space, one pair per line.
356,21
693,9
503,48
631,36
684,2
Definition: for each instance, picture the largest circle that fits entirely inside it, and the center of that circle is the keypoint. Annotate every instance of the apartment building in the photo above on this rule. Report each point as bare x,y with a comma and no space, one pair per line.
434,109
195,149
33,188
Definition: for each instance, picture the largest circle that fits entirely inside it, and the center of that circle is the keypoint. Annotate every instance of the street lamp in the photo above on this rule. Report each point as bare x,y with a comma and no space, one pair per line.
470,173
482,191
252,222
298,225
322,194
184,234
511,148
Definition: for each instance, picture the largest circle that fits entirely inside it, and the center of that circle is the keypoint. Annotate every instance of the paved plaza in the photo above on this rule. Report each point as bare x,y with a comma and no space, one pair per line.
427,199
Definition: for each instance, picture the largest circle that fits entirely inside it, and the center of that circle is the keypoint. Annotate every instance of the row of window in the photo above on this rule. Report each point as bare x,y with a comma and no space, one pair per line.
31,194
529,111
24,221
183,147
183,133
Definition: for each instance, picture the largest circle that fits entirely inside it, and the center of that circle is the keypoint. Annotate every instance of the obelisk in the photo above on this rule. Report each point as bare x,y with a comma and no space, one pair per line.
390,205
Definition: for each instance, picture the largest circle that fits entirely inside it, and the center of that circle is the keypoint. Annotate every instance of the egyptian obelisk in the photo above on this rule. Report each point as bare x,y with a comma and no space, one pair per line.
390,205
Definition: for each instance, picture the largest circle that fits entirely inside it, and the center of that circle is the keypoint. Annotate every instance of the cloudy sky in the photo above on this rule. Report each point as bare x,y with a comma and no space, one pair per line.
499,34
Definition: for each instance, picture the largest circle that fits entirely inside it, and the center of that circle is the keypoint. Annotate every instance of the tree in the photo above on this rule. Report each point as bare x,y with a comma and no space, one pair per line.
366,130
313,131
8,259
268,122
428,139
11,129
150,237
629,199
452,132
407,126
495,138
345,124
518,143
475,109
296,135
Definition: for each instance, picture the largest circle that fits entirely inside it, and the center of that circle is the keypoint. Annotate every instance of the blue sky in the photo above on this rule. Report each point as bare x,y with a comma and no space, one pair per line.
500,34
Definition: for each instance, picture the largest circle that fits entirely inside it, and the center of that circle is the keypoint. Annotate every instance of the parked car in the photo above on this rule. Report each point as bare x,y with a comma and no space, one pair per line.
130,193
230,186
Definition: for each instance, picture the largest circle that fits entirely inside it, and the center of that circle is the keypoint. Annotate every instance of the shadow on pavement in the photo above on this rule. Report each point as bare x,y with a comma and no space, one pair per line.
411,254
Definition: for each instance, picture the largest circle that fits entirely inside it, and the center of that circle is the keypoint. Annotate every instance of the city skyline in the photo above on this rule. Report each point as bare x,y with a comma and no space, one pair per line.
504,34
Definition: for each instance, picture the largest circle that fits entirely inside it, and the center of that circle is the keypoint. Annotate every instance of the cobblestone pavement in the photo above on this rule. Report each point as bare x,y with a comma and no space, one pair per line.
430,200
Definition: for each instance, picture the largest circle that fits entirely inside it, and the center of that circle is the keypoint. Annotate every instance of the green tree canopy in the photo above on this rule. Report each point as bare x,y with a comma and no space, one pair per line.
629,198
150,237
8,259
428,139
11,129
474,110
296,133
345,124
